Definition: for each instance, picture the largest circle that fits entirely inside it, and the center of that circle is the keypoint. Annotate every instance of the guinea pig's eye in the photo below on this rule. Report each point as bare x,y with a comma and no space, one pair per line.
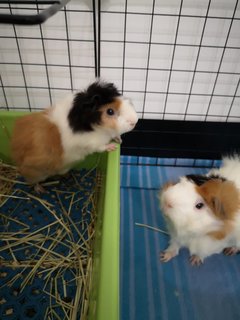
110,112
199,205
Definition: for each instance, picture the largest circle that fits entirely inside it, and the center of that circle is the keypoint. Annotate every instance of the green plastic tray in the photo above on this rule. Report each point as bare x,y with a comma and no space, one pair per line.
104,304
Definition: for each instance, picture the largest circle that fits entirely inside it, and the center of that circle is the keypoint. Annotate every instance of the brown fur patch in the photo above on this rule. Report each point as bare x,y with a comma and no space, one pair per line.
107,120
36,147
222,197
223,232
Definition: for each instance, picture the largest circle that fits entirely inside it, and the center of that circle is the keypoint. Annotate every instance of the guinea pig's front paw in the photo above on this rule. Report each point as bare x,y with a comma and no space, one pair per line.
231,251
195,260
165,256
111,147
118,139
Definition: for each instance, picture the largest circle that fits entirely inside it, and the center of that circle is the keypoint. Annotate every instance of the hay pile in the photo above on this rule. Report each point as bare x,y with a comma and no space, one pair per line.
46,243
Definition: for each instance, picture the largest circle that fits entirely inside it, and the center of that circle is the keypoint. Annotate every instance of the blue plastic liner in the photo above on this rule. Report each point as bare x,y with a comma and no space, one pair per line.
152,290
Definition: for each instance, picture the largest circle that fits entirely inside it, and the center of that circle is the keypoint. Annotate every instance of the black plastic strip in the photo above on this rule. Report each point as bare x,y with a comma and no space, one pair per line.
34,2
32,19
182,139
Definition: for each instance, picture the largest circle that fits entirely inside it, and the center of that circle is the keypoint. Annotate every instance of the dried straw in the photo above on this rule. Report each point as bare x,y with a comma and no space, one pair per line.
46,262
8,176
150,227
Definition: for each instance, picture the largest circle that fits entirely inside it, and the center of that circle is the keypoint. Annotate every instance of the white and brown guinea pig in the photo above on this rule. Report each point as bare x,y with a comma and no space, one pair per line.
49,142
202,212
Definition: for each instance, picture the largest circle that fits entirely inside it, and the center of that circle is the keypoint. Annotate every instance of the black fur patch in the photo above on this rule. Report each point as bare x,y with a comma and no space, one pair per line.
201,179
85,109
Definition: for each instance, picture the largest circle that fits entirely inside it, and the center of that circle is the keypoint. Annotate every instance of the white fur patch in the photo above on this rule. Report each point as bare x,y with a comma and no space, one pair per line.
127,117
230,169
189,226
77,146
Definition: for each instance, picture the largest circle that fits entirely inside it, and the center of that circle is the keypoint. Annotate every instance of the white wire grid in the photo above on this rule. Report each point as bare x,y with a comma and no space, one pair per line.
176,59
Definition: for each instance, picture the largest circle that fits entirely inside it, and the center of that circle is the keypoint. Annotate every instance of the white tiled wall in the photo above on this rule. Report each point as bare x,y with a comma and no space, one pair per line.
173,67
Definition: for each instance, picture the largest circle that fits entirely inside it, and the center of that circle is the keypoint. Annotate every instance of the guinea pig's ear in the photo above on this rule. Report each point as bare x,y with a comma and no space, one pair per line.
222,197
167,185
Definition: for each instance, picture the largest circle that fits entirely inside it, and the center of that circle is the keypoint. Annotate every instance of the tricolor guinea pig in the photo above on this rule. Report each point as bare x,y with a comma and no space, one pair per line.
202,212
47,143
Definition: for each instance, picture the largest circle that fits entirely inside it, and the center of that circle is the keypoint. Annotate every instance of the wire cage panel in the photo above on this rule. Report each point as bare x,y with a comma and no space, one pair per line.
176,60
40,64
180,59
